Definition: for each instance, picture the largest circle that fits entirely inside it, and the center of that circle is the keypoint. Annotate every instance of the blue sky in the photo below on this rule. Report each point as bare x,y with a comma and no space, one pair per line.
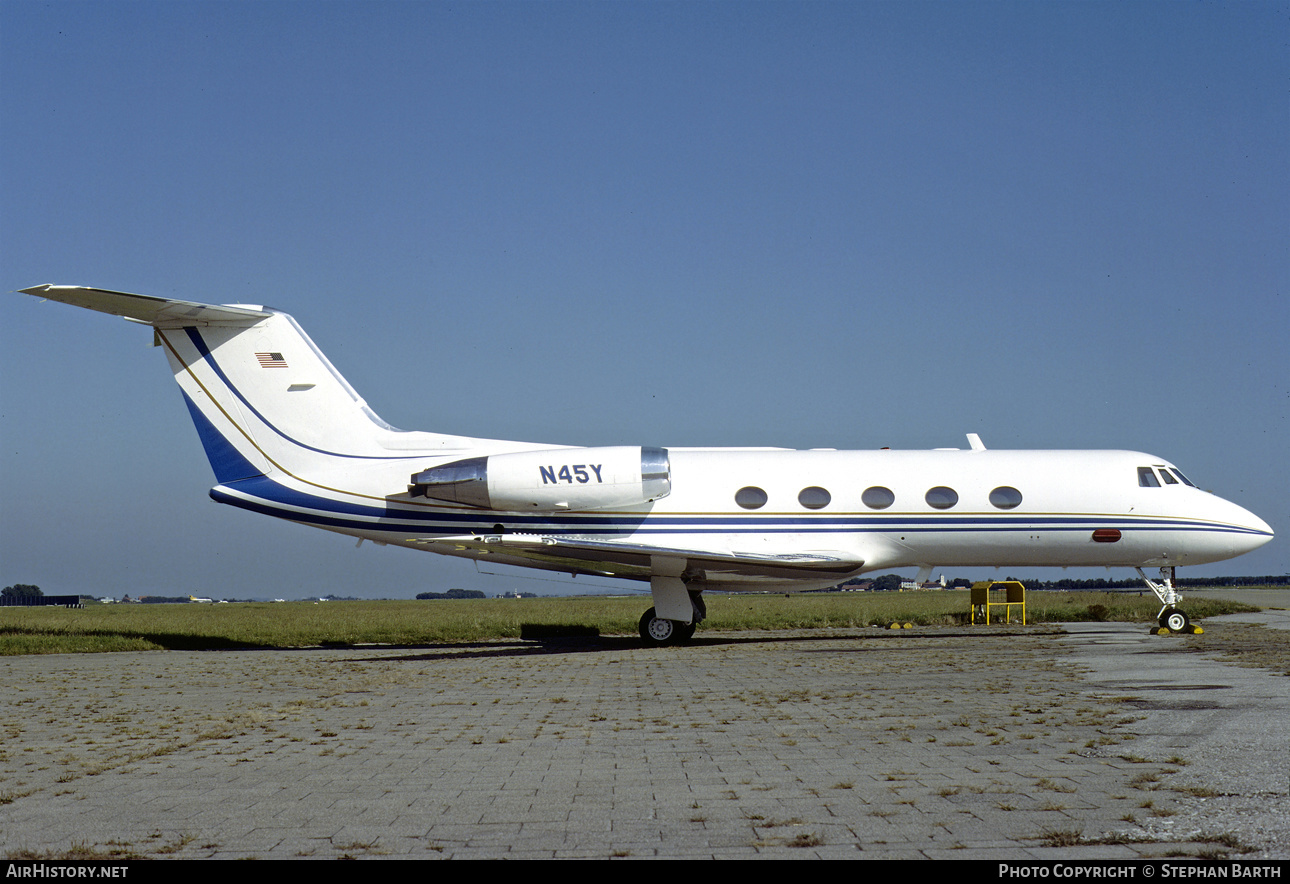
1059,225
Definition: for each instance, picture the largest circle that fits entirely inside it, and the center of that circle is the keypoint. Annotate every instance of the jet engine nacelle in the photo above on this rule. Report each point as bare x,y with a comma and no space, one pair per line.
551,480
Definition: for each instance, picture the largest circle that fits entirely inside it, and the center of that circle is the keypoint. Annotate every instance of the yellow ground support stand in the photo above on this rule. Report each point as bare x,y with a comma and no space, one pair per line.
998,594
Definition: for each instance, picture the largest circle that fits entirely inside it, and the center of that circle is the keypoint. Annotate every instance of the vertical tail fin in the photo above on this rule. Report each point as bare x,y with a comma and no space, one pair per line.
263,397
269,399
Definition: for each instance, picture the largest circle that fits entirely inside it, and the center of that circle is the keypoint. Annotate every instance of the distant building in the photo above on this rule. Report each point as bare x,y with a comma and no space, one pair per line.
914,586
41,601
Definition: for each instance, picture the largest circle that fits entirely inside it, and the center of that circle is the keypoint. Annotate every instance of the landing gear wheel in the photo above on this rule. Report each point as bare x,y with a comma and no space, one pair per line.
656,632
1174,620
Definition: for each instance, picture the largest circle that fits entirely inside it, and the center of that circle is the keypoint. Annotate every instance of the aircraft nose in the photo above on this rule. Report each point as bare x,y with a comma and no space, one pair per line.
1255,531
1231,531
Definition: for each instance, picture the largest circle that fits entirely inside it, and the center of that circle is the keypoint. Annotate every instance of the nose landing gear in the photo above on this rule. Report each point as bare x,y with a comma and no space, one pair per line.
1174,620
1170,618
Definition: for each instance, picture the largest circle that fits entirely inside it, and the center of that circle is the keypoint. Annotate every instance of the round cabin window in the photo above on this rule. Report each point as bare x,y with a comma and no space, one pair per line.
1005,497
814,498
878,497
941,498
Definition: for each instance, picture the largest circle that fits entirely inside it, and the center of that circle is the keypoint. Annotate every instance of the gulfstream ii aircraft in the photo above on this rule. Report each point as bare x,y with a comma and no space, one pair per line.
288,437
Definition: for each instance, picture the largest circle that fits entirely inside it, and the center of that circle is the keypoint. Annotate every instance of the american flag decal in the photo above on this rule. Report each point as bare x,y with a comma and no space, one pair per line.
271,360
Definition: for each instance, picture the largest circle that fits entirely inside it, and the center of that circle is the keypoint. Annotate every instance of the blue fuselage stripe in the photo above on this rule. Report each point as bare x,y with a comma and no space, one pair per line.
264,495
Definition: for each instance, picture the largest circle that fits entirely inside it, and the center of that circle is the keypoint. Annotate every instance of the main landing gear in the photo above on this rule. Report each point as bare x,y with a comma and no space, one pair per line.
658,631
1170,618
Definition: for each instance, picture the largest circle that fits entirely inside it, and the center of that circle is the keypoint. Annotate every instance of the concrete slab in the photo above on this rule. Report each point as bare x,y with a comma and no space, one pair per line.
1097,741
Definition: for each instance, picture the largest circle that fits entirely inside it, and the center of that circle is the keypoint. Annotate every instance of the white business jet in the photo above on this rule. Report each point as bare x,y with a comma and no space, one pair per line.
288,437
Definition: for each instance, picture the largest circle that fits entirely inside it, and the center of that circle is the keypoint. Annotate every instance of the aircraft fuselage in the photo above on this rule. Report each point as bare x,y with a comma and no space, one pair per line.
885,509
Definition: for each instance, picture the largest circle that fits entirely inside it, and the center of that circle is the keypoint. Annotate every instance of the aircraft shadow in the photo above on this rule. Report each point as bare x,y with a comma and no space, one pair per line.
593,644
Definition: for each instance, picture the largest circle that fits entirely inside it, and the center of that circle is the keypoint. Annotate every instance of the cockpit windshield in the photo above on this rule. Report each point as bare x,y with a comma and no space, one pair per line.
1147,477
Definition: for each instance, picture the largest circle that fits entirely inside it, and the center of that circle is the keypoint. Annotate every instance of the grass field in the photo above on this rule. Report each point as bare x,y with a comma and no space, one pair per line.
123,627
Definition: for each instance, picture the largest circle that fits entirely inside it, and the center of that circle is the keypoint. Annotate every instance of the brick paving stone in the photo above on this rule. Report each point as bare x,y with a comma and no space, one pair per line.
937,743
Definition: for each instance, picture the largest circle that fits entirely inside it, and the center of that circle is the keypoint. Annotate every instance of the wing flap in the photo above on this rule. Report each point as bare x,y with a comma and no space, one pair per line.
157,312
638,561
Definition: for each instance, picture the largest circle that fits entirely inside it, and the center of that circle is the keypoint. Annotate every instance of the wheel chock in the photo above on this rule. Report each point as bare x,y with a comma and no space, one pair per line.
1164,630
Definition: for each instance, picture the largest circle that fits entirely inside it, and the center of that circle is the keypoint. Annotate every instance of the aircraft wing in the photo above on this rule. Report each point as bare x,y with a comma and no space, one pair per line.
157,312
638,561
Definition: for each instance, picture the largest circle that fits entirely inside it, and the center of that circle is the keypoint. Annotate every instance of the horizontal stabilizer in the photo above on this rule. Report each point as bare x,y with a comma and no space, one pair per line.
157,312
635,560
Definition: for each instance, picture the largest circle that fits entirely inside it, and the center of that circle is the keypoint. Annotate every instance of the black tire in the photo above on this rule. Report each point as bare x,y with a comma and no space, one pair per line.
1174,620
657,632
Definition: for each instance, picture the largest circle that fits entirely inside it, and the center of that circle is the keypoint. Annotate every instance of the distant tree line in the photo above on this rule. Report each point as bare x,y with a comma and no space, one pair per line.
452,594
